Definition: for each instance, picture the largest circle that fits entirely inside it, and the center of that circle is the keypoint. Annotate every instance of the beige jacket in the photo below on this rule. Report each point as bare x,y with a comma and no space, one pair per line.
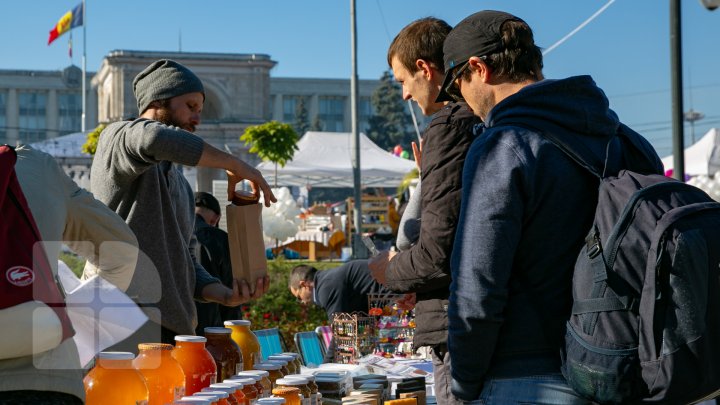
67,214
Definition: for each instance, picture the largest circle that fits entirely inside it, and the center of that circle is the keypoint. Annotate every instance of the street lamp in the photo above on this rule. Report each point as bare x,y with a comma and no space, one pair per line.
710,4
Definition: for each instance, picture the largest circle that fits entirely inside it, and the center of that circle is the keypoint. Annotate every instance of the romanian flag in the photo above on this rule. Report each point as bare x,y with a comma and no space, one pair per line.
70,20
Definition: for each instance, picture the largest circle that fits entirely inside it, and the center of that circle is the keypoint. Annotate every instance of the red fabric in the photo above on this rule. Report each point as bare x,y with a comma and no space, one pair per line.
25,273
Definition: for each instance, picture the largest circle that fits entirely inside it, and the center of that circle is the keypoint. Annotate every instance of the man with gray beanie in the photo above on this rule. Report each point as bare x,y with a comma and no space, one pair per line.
135,172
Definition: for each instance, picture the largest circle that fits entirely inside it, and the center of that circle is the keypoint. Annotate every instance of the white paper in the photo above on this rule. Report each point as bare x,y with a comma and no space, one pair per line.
100,313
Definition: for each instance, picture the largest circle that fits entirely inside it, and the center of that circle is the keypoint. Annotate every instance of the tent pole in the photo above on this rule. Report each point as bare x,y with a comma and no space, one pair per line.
358,249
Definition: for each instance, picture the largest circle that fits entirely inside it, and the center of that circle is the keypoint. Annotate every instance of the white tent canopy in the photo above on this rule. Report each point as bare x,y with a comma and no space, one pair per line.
702,157
324,159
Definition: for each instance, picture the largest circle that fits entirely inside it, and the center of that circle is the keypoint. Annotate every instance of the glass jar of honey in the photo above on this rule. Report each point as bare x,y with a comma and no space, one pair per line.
300,383
292,395
288,360
263,390
163,374
197,363
297,360
273,371
247,341
226,353
114,380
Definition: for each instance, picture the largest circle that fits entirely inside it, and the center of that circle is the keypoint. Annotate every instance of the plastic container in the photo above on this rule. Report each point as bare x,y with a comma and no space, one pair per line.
226,353
262,389
299,383
289,362
197,363
273,371
291,394
114,380
247,341
163,375
219,397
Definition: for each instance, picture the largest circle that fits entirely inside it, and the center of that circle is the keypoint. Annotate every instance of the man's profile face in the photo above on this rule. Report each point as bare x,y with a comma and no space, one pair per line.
303,293
183,111
417,86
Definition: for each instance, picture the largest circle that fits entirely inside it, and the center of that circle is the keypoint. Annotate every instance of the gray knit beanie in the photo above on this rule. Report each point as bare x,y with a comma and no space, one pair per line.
164,79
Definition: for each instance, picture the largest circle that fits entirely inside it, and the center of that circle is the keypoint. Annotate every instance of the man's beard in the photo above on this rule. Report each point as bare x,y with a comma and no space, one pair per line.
163,115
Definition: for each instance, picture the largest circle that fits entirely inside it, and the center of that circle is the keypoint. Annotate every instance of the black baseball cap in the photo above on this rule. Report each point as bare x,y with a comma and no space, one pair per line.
476,35
207,200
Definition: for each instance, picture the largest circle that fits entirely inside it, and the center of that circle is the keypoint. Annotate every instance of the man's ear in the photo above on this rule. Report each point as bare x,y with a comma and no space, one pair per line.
482,68
425,67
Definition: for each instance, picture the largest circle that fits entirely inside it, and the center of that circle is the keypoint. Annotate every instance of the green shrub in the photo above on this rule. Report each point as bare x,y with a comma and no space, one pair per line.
278,308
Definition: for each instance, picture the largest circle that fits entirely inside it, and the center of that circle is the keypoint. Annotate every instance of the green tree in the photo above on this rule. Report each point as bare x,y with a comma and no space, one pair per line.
391,125
272,141
317,124
90,145
302,122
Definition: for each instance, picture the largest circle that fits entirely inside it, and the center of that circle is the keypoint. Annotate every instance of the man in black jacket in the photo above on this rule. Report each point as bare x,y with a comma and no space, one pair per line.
416,59
215,258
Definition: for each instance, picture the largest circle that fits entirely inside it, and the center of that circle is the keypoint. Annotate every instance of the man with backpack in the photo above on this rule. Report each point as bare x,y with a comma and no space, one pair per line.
526,209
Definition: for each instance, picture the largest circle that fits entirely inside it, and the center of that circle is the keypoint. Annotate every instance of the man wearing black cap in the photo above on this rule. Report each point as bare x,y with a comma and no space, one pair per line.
416,59
526,208
135,172
215,258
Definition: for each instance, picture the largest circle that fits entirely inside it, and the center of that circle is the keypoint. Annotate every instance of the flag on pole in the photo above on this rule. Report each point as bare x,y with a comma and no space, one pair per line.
70,20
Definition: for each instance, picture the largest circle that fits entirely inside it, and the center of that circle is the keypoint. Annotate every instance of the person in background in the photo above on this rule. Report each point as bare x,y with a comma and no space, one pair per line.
136,172
423,265
65,213
341,289
526,209
215,258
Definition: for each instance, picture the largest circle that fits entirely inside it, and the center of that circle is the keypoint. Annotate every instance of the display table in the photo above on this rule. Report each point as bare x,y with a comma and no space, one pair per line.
317,244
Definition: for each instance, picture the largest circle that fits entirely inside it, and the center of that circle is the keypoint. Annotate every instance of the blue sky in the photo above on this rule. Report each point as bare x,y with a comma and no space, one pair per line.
625,49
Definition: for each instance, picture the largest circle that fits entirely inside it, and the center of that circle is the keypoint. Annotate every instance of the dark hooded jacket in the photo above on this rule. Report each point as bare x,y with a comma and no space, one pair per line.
425,268
526,209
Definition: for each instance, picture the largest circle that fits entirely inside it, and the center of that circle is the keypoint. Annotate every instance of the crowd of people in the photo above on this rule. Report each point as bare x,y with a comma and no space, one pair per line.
486,246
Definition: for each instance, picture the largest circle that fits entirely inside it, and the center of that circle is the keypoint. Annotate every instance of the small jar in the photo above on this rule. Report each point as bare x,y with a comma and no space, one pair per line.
239,394
297,360
251,393
273,372
232,390
219,397
193,401
272,401
291,394
283,365
315,397
300,383
289,362
259,386
227,354
247,341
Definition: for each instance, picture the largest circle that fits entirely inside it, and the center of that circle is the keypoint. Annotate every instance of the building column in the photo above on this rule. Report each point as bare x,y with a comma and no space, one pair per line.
12,111
313,108
277,113
51,115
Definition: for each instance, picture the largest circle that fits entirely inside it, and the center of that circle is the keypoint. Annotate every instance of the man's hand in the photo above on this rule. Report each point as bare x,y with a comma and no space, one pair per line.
378,265
239,294
407,302
243,171
417,152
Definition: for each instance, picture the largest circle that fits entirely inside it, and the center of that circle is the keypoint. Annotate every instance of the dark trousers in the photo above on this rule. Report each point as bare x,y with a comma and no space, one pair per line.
27,397
441,375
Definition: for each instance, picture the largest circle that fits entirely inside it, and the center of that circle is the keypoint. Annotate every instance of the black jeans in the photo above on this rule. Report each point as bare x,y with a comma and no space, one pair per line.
38,397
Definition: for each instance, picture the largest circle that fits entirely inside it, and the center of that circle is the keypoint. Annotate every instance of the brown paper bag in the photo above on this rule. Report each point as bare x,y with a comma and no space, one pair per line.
245,237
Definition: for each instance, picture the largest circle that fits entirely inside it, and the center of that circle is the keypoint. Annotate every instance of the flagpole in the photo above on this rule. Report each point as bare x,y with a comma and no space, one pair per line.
84,95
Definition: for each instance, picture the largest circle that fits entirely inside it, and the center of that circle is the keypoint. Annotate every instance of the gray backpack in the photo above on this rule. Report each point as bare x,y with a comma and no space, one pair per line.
645,323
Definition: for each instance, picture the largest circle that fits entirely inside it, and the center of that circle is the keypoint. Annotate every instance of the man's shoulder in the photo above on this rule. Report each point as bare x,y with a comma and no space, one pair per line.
455,113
